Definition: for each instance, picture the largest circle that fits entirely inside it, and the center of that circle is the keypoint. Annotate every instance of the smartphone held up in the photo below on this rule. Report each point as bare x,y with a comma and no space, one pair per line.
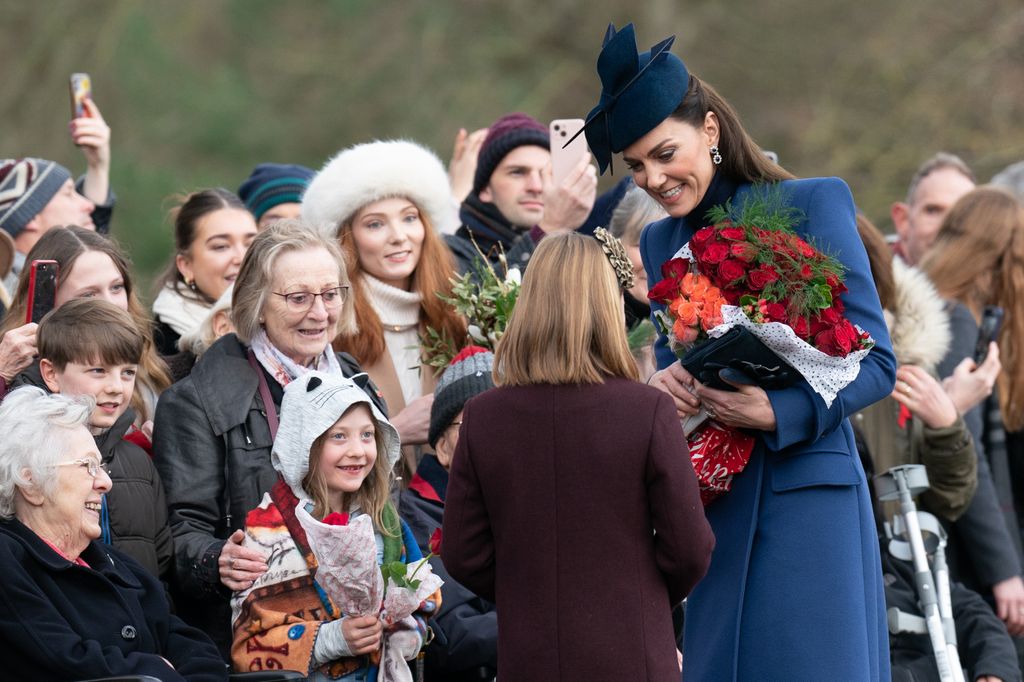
81,89
565,157
991,323
42,289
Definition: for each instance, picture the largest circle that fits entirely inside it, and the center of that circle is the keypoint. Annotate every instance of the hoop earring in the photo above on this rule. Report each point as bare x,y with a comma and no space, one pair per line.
716,158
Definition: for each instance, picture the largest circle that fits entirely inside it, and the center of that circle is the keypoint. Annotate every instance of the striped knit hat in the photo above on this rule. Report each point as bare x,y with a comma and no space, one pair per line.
26,187
468,375
274,183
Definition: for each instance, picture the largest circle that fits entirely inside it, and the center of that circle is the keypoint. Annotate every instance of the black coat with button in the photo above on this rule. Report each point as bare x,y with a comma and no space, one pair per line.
211,445
63,621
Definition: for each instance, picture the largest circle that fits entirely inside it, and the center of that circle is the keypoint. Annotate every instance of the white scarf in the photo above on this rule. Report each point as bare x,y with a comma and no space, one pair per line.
283,368
183,315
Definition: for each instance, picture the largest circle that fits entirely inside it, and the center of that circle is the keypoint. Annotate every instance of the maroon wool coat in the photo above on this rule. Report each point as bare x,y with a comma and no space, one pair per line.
575,509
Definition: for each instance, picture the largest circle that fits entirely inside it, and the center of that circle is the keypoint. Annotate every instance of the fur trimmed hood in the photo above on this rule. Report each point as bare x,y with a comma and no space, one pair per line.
919,326
378,170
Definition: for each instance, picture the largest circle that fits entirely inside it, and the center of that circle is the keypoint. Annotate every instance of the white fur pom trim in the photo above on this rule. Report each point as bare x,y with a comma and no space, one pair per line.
378,170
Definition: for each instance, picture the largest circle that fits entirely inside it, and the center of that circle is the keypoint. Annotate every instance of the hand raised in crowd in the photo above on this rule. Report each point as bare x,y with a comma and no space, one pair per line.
92,135
924,396
567,206
970,384
17,350
362,633
240,566
1009,595
413,423
462,166
678,383
747,407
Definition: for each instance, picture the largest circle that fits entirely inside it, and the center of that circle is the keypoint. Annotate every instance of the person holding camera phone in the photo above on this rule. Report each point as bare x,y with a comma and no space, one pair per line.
514,201
988,223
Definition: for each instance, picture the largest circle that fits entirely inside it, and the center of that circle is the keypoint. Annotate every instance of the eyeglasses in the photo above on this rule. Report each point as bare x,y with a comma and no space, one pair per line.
91,465
301,301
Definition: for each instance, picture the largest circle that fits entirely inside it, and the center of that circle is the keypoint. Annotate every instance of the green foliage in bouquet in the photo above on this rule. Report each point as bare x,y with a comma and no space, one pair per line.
396,570
485,300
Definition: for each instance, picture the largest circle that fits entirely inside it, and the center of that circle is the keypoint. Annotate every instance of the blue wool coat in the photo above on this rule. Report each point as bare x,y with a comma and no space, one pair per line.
794,591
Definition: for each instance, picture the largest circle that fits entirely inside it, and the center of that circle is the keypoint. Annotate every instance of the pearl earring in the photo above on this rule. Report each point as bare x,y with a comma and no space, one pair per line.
716,158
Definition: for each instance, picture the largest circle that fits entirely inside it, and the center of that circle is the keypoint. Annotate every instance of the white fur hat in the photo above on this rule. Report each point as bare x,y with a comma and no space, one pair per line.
378,170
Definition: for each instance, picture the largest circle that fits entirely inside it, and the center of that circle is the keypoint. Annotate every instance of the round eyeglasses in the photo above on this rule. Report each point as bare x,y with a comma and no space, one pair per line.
302,301
91,465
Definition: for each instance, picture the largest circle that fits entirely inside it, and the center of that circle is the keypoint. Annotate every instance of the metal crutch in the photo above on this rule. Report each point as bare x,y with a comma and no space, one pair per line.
903,483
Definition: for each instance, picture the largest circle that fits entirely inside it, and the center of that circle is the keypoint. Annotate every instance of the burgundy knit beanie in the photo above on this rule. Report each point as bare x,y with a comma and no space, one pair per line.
504,135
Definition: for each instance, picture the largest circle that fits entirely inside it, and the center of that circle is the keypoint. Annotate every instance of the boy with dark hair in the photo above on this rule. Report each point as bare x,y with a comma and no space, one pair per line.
92,347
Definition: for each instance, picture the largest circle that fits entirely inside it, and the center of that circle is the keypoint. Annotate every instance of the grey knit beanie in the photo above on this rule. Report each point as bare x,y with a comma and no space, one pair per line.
468,375
26,187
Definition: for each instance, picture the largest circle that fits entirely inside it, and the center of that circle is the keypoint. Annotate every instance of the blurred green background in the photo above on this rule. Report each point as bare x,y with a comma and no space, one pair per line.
199,91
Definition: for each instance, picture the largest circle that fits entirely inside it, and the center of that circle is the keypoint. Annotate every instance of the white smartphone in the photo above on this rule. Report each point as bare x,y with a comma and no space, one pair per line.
563,158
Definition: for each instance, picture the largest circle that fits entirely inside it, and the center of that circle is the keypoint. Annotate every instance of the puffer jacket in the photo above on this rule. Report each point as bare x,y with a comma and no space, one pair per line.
211,444
136,504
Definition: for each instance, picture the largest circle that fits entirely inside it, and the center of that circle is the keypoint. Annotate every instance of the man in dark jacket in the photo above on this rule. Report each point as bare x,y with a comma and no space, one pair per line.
514,203
465,646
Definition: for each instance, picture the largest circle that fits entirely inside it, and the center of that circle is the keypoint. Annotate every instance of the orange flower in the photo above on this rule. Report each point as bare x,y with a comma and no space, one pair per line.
685,311
684,333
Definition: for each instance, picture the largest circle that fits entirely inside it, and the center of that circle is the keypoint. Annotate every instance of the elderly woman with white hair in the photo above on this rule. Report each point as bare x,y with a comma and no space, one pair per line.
214,428
74,608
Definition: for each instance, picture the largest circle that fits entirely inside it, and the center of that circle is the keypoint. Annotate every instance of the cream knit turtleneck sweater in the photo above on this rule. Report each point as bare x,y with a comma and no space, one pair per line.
399,312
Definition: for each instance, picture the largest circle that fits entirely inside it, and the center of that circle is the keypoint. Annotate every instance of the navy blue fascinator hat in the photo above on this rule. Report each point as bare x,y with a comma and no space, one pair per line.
638,91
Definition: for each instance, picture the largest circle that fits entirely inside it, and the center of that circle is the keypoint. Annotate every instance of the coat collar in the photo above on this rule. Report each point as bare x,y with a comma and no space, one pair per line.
430,480
225,382
95,554
107,441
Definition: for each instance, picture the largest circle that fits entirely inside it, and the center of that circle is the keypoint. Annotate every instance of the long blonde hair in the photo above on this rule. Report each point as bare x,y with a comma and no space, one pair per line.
978,260
373,494
568,326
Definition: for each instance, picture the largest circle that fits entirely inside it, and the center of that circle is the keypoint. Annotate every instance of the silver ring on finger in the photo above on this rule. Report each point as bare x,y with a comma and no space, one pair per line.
711,411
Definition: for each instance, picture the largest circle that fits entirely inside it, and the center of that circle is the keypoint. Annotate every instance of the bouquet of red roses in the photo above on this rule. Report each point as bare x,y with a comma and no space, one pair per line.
748,294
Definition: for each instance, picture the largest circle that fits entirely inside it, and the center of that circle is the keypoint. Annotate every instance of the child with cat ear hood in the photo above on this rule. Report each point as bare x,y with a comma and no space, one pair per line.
335,452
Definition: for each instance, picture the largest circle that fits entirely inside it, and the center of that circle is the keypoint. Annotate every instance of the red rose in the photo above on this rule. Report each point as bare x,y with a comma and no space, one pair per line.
730,271
776,312
831,316
435,542
845,337
675,268
702,237
664,291
832,280
801,328
825,341
761,277
714,253
806,272
336,519
732,233
743,251
805,249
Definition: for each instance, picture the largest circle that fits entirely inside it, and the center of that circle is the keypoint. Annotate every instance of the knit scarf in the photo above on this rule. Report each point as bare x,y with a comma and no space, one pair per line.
183,315
283,368
483,223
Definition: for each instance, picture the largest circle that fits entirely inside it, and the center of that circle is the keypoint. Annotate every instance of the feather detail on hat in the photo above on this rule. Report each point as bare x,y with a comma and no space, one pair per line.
377,170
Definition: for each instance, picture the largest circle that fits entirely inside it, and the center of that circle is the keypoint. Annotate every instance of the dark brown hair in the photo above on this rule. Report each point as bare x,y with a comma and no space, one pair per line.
186,217
880,259
88,331
742,158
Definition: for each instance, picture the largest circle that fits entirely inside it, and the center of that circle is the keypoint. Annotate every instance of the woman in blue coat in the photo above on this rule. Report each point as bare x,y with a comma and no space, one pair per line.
794,589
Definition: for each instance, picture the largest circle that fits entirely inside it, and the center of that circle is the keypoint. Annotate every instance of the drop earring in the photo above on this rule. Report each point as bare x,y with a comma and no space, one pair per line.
716,158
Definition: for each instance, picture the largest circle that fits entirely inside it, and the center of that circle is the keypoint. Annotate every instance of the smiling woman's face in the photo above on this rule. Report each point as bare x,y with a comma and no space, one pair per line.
388,236
672,163
69,518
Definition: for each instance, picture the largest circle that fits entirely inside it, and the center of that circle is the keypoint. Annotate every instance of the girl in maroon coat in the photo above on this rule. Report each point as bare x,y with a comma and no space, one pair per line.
572,504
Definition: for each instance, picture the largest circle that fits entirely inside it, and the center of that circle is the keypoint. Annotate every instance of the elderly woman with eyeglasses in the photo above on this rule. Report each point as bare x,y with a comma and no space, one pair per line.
71,607
215,428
